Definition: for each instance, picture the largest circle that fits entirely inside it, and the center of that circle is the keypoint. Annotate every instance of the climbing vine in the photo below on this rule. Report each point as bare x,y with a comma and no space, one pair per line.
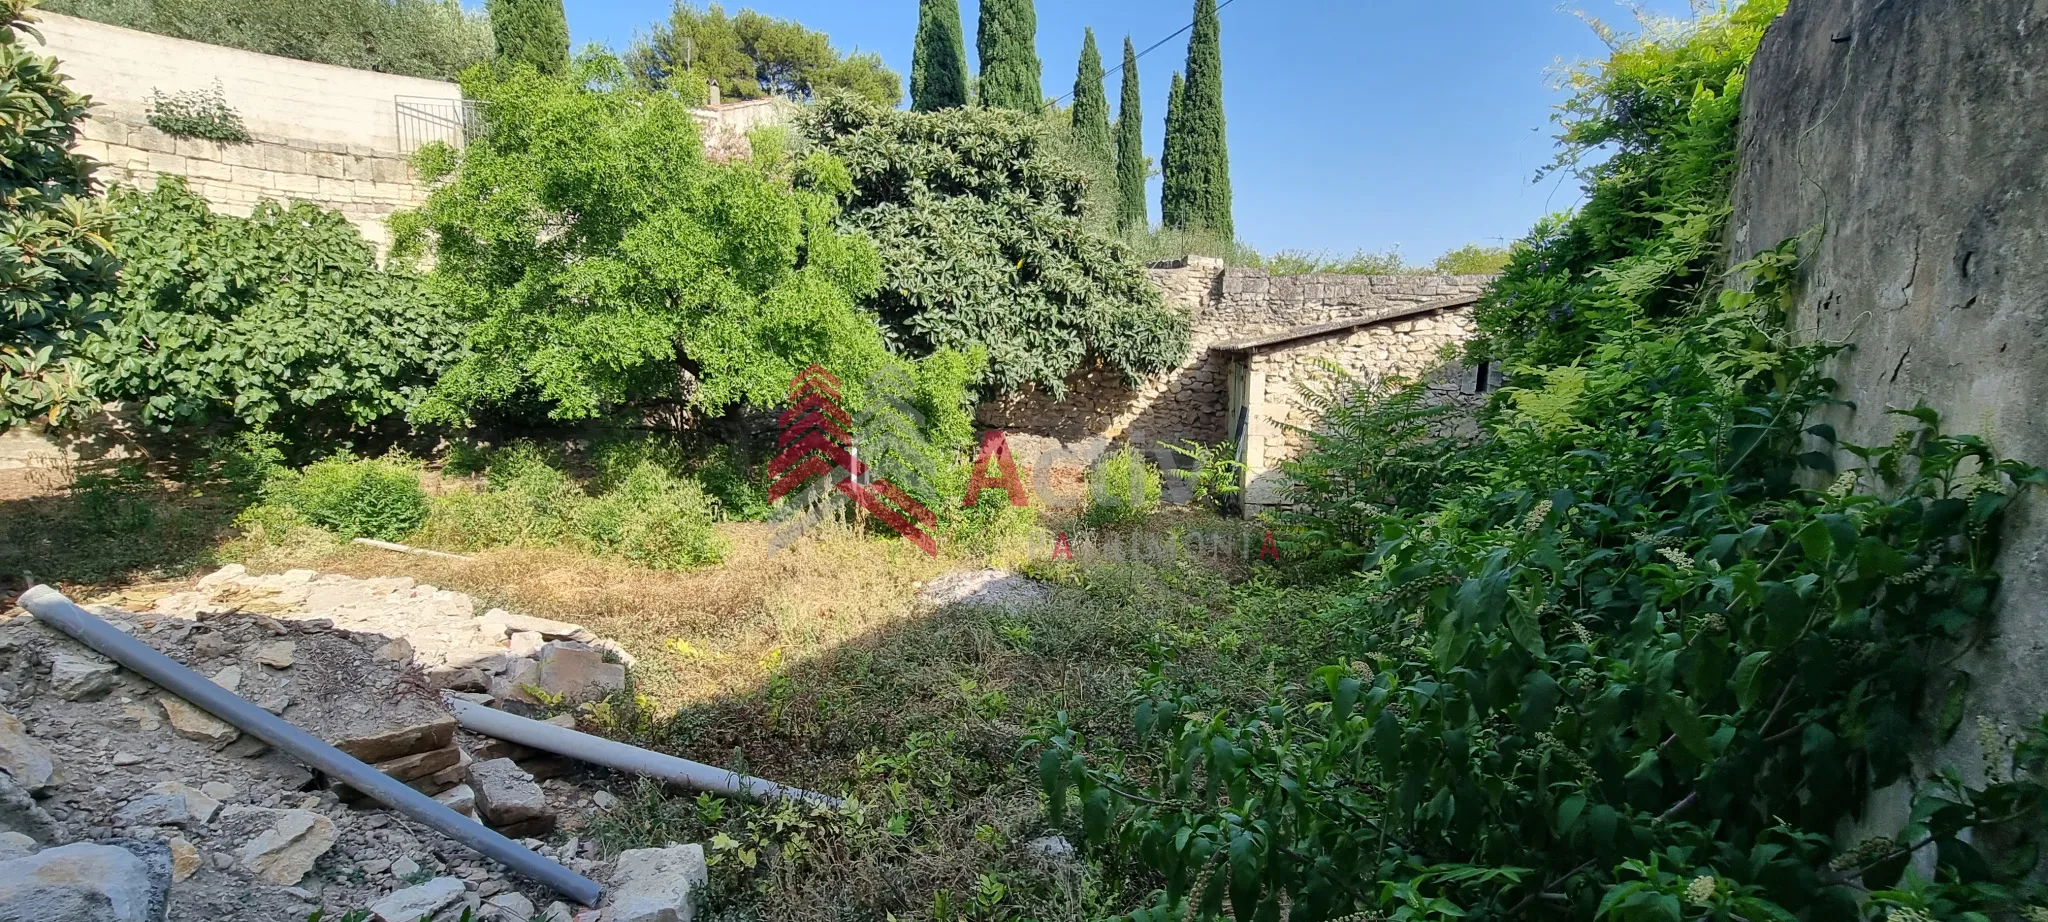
1641,649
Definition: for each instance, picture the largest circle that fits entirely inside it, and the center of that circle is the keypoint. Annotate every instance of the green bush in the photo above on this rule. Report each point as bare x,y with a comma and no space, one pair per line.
979,216
420,38
280,321
527,502
355,498
1640,651
54,255
197,114
653,518
1123,489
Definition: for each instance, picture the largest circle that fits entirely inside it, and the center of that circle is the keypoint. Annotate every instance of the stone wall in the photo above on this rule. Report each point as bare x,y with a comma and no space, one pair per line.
1910,133
1190,402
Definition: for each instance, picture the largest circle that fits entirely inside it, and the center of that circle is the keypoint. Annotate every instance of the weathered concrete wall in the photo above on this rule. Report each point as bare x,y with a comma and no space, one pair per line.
1913,133
1189,402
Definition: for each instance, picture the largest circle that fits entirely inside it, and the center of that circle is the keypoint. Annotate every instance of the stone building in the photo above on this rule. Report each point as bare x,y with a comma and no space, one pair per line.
1255,341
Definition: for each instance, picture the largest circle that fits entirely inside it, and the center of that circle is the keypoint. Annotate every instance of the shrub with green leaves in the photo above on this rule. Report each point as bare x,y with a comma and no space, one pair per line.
55,257
653,518
979,217
1640,651
1124,488
420,38
203,114
605,264
354,497
280,320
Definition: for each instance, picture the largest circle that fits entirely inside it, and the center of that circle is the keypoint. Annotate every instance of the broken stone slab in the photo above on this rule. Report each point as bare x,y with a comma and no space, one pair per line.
461,799
24,759
578,672
552,630
229,678
657,884
415,903
171,803
505,794
117,881
436,733
526,643
19,813
420,764
225,574
513,684
276,655
194,724
81,676
511,906
285,852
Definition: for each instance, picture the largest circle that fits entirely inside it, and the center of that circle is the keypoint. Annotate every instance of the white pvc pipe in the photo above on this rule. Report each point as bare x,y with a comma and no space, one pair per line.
616,755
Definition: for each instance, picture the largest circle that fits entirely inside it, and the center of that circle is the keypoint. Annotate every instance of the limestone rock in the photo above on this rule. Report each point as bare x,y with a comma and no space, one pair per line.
398,650
82,883
185,807
390,744
508,907
229,678
185,860
276,655
15,845
527,643
657,884
504,794
286,851
552,630
19,813
194,724
461,799
24,759
415,903
577,672
81,676
512,684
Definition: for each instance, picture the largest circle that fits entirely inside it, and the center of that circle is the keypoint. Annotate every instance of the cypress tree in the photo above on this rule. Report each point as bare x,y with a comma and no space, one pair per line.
1091,114
1171,155
532,32
1197,182
938,66
1131,211
1007,40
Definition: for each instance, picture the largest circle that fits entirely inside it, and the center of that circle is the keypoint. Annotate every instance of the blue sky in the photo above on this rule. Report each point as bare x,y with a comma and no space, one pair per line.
1353,124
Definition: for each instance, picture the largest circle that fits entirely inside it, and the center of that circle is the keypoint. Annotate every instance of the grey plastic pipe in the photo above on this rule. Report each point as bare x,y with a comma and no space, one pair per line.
631,759
52,608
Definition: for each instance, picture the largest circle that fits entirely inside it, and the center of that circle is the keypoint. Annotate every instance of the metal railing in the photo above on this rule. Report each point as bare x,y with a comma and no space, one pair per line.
423,120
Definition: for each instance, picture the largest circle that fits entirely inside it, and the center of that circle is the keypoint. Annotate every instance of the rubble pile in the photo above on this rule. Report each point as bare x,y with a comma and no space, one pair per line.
121,801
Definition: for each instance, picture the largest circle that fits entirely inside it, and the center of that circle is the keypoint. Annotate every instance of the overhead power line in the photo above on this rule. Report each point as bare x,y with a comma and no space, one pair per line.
1148,50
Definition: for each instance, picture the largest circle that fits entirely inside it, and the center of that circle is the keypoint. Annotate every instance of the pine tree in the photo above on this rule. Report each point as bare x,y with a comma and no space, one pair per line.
1091,115
1196,192
1131,212
1007,40
938,66
532,32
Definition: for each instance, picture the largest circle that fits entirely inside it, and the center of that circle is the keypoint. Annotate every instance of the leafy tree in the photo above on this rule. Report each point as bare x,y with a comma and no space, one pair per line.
1472,259
752,56
1196,193
54,255
607,265
981,226
1132,168
419,38
1007,42
938,66
1091,116
532,32
280,320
